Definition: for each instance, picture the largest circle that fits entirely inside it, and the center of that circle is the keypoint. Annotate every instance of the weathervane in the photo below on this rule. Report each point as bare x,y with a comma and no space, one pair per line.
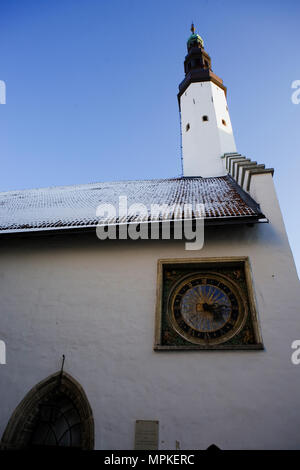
193,28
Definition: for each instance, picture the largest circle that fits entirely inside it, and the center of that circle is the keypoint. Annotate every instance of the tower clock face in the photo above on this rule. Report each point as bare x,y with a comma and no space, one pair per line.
207,308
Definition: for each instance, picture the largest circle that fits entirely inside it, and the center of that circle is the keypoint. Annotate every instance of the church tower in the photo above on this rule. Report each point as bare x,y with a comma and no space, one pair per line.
205,122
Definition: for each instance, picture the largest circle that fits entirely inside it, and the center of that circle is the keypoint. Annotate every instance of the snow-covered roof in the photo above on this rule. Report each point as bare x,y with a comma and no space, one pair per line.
68,207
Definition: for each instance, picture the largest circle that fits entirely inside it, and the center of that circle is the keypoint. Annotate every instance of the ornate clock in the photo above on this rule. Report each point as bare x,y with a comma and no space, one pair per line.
206,305
207,308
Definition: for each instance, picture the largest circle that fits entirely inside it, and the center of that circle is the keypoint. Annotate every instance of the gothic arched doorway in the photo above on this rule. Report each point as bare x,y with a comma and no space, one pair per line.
54,414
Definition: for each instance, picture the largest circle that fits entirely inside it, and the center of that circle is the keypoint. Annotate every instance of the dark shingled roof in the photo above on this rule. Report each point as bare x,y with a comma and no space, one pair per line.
68,207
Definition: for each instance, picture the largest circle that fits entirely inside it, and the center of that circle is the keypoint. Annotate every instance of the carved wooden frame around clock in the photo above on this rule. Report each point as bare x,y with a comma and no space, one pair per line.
207,264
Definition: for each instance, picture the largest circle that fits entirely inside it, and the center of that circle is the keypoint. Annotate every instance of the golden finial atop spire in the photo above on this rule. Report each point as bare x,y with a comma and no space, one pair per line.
193,28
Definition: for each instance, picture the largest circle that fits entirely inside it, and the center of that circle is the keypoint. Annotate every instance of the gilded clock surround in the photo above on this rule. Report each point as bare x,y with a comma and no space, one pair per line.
206,303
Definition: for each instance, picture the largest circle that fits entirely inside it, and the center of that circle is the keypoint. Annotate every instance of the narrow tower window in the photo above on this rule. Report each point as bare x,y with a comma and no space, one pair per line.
187,127
204,118
224,122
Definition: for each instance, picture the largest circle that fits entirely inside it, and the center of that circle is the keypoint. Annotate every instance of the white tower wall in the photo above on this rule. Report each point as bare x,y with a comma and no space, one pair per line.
204,142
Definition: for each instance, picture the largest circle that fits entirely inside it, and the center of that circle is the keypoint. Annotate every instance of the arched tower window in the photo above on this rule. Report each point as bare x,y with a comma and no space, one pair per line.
54,414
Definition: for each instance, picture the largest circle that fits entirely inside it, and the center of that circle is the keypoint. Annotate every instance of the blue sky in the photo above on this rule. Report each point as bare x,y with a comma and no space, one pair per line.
92,84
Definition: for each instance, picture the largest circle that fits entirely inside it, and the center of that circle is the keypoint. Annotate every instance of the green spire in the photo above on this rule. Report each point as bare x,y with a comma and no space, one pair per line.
194,38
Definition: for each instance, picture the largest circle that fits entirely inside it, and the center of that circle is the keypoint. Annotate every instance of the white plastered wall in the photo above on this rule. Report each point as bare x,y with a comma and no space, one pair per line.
94,301
204,142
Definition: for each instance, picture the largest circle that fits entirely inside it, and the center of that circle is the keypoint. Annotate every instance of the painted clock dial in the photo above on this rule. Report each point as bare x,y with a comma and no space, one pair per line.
207,308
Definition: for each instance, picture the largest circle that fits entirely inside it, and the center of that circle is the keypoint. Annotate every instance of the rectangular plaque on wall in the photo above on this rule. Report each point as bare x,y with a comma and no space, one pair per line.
146,435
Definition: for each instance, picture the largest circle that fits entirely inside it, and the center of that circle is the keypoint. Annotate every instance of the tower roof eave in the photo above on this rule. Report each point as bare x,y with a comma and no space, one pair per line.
195,76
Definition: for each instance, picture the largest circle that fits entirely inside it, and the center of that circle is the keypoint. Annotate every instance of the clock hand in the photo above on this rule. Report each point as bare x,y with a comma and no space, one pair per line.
216,309
207,307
